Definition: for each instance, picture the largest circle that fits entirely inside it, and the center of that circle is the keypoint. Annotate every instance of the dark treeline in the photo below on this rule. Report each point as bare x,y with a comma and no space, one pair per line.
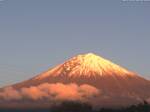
84,107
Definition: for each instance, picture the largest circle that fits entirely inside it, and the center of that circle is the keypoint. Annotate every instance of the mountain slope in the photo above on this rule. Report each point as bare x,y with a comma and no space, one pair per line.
86,67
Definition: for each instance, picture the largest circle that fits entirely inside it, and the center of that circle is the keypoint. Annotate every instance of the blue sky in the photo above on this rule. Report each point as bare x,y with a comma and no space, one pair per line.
38,34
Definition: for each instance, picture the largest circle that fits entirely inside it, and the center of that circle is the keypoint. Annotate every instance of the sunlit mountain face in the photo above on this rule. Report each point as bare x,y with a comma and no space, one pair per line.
86,78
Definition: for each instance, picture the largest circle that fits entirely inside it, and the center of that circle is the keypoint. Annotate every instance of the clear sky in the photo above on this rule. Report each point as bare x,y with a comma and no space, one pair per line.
38,34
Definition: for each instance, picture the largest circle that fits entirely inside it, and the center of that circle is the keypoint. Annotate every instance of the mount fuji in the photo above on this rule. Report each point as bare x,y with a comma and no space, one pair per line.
88,78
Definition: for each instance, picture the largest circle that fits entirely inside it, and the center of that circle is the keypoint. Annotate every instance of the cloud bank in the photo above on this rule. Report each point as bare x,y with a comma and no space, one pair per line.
57,93
51,92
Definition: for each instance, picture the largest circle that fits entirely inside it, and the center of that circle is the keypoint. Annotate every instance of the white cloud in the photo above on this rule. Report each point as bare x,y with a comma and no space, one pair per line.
57,91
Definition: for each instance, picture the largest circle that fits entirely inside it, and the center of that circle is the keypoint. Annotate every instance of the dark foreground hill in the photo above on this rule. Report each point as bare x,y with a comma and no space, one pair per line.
83,107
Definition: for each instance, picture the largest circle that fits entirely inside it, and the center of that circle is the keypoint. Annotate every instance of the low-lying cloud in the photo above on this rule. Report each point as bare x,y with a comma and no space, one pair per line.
10,94
51,92
56,93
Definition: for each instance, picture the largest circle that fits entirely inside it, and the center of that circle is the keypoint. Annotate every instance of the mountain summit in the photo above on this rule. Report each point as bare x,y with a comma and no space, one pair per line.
91,74
87,65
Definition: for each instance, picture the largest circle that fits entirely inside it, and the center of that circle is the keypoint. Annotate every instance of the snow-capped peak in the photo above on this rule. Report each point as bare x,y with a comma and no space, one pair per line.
86,65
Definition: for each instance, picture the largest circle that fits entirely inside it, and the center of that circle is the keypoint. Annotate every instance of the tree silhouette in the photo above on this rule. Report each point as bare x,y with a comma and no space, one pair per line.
84,107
